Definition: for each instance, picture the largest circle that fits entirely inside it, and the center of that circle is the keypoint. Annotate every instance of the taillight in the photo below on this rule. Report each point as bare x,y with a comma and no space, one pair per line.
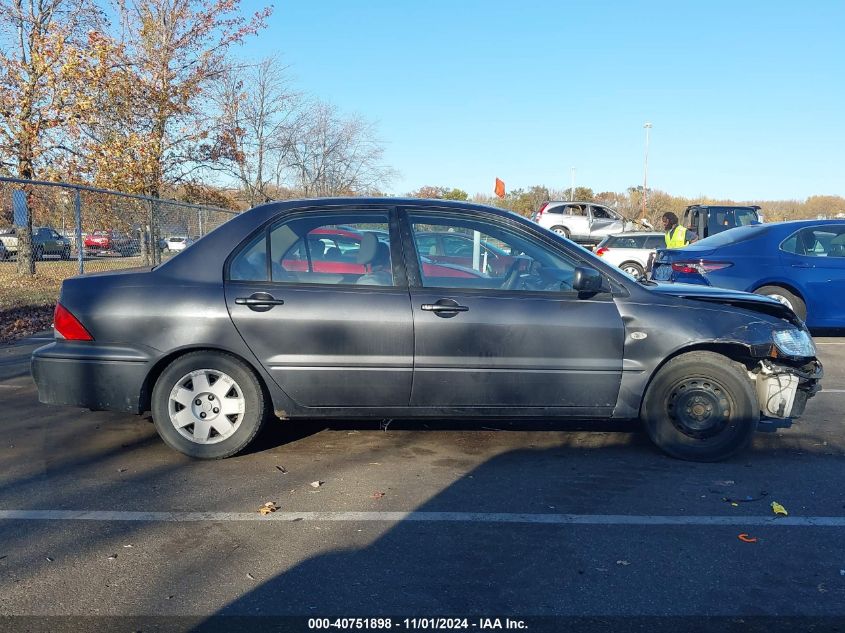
68,326
701,267
542,208
601,251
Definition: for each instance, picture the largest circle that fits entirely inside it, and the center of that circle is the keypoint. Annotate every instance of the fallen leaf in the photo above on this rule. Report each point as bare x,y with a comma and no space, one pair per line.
267,508
378,494
49,560
282,470
127,546
624,563
250,576
747,539
779,510
317,484
112,556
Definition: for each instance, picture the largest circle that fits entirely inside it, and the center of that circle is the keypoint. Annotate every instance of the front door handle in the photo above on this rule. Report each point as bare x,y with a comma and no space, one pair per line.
259,301
444,308
802,265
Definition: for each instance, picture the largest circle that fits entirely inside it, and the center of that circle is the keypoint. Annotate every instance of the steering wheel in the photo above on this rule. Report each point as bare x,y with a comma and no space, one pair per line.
512,276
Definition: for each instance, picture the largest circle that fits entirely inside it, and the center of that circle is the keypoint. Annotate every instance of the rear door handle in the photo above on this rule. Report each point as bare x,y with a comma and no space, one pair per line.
439,307
259,301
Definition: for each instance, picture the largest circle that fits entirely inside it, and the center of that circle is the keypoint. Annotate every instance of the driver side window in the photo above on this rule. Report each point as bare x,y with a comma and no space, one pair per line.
486,255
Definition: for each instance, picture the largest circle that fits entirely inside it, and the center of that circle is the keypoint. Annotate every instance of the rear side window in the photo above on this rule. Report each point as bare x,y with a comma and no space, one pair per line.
626,241
319,249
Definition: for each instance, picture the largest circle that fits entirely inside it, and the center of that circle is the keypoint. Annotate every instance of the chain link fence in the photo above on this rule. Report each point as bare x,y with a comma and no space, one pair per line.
79,229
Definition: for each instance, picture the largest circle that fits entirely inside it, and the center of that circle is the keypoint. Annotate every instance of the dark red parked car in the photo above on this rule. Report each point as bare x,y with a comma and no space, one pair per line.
109,241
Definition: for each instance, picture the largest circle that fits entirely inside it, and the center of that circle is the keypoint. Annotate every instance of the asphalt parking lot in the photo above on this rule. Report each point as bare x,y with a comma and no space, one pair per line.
552,526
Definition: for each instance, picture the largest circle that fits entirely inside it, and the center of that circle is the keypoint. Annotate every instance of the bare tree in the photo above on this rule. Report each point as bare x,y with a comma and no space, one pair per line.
325,154
257,107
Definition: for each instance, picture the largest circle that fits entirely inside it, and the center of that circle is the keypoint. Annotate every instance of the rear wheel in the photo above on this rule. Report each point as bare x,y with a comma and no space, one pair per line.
561,230
701,406
632,268
787,298
208,405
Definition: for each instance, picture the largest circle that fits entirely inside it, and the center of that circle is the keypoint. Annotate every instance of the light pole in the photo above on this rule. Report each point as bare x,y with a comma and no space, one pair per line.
647,127
572,187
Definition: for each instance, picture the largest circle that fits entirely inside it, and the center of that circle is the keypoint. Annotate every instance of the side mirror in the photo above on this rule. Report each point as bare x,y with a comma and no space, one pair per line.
587,280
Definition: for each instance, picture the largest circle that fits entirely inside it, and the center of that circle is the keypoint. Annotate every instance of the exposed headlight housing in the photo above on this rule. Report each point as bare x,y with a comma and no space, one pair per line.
794,342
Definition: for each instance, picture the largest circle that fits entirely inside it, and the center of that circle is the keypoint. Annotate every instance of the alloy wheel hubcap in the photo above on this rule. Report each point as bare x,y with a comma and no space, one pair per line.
206,406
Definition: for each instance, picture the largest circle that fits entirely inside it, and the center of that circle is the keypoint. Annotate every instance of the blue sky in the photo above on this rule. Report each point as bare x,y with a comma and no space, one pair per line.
746,98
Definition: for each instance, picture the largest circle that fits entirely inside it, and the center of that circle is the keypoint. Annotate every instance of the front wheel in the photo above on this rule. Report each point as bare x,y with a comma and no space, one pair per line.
208,405
701,406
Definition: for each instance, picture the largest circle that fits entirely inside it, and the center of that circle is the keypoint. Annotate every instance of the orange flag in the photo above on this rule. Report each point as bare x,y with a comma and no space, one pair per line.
500,188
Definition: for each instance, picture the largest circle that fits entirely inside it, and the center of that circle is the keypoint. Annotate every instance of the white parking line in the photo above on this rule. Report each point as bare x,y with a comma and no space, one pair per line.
832,391
432,517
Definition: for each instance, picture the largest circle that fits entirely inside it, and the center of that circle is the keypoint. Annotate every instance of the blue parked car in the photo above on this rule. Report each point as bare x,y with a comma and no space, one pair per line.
801,264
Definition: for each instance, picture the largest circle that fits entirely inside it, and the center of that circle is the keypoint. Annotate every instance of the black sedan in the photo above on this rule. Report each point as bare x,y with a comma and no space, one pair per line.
252,322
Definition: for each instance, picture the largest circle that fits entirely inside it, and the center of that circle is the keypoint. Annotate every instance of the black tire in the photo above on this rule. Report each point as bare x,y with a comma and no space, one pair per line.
38,253
632,268
66,253
255,411
701,406
785,296
562,230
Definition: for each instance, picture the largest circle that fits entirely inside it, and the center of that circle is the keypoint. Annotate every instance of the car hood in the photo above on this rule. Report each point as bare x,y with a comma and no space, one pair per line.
736,298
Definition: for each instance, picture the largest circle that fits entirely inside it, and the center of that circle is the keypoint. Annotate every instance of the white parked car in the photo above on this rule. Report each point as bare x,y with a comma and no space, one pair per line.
630,251
178,243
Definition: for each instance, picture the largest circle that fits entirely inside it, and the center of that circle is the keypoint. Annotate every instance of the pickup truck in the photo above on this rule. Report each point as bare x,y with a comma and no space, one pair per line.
707,219
45,241
582,222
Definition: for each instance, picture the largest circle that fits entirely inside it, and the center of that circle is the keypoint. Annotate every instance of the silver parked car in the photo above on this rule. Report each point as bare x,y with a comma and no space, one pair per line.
582,222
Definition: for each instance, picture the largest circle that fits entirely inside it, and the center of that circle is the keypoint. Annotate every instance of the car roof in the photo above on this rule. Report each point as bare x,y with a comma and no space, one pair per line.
598,204
638,233
724,206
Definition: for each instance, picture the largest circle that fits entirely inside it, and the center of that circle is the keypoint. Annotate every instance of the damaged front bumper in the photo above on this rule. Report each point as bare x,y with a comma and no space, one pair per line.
783,390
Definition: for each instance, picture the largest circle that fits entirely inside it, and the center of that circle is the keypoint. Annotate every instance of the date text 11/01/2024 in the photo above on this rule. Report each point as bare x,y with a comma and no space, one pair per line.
416,623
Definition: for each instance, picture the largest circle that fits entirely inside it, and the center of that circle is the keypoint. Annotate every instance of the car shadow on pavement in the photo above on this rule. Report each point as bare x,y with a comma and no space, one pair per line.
614,577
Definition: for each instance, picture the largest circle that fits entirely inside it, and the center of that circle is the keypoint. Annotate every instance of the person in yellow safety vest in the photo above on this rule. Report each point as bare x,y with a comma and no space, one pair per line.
676,236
